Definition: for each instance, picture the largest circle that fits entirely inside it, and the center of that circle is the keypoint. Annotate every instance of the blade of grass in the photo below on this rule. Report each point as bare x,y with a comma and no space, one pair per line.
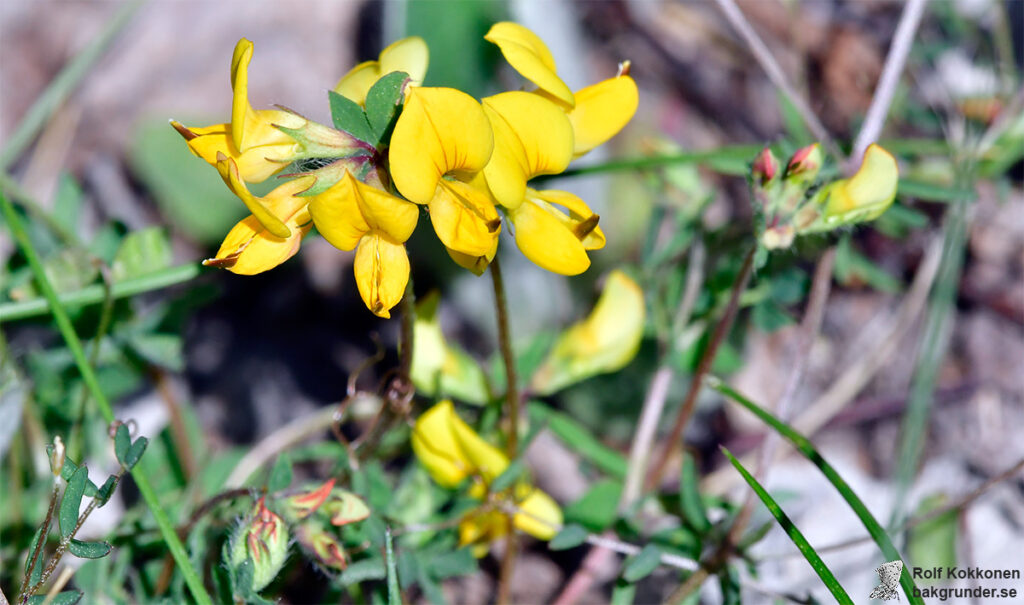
17,229
62,85
794,534
723,157
804,446
96,293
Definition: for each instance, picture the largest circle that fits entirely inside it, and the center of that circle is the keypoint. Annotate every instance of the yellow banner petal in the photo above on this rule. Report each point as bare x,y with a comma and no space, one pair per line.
441,131
229,172
867,194
532,136
337,215
528,55
464,218
358,81
601,111
382,272
540,515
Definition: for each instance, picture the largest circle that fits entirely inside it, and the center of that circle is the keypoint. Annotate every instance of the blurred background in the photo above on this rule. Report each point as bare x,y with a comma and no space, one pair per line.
219,362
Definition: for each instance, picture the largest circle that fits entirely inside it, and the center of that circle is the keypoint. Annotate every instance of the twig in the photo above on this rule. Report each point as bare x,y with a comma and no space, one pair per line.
703,366
774,71
508,560
894,62
44,530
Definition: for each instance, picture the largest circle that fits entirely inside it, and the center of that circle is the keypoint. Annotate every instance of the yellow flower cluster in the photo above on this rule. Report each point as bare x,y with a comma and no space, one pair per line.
467,161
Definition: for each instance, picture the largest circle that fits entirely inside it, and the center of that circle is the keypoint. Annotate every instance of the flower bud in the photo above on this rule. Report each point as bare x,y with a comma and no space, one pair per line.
262,537
57,456
803,167
318,141
344,507
765,167
322,545
303,504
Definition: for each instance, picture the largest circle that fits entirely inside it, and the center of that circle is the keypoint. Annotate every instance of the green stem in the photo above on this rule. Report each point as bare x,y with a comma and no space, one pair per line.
61,87
17,229
96,293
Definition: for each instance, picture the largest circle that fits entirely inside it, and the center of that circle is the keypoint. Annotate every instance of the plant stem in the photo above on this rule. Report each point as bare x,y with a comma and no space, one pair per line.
44,529
96,293
17,229
508,562
703,367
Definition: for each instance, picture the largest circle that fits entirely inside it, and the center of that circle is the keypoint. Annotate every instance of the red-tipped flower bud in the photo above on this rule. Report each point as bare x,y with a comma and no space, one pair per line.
765,168
262,537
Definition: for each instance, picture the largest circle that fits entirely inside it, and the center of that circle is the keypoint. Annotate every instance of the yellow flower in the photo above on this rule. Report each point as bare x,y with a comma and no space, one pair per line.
410,55
553,239
271,235
452,452
441,143
252,139
597,112
353,215
867,194
605,341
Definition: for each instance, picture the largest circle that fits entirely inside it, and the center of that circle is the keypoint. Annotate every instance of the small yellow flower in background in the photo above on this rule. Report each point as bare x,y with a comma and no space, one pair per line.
353,215
867,194
441,142
410,55
605,341
452,452
252,138
271,235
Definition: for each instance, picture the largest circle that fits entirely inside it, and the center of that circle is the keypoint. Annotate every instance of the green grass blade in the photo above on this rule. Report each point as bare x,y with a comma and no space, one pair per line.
804,446
96,293
17,229
61,87
394,592
794,534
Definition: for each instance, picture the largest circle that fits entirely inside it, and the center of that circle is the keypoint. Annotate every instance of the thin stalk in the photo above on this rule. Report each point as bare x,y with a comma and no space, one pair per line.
508,561
96,293
63,84
703,367
192,579
741,153
42,537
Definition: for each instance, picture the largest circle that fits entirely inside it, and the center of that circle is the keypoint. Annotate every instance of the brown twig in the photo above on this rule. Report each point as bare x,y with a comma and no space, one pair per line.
45,529
704,365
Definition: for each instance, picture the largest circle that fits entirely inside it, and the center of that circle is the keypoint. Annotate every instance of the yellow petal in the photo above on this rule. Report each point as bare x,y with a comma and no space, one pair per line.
532,136
358,81
528,55
251,128
254,166
486,460
601,111
229,172
241,110
464,218
867,194
410,55
479,529
605,341
544,240
476,264
581,220
540,516
433,442
349,209
382,272
441,131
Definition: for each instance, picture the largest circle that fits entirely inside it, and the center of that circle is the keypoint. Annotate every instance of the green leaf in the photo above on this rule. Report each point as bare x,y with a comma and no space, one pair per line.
88,550
361,571
640,565
131,458
104,492
624,593
689,496
72,501
242,578
597,509
804,446
68,597
280,474
122,441
394,593
769,317
794,534
932,543
579,439
932,192
67,203
349,117
452,563
508,478
142,253
164,350
571,536
383,102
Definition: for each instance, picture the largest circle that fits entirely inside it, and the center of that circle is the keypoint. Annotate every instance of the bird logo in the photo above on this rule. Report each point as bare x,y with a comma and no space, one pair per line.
889,574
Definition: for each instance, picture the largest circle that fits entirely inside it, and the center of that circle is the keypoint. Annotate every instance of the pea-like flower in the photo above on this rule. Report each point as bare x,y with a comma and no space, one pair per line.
452,453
